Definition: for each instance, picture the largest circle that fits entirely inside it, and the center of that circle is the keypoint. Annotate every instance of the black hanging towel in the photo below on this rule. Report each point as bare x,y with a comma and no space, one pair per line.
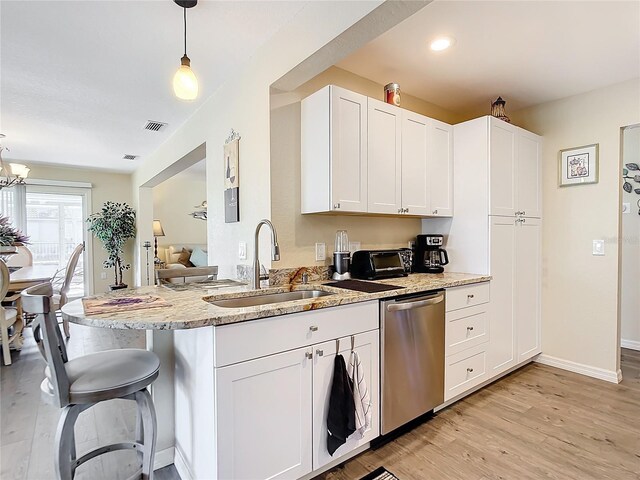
341,420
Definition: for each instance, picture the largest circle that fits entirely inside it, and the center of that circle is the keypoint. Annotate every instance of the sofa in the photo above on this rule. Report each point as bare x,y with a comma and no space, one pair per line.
172,255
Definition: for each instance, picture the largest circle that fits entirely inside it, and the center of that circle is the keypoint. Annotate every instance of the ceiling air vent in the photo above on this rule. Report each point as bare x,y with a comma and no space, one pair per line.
154,126
129,157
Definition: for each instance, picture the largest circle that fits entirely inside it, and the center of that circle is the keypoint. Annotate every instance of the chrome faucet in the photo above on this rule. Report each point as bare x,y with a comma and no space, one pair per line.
275,252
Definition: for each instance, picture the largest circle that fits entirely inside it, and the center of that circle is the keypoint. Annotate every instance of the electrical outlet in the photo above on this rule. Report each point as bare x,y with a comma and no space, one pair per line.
411,244
321,252
354,246
103,276
626,207
242,250
598,247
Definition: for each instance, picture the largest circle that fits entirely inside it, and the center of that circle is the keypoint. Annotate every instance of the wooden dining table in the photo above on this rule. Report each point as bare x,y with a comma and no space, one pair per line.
26,277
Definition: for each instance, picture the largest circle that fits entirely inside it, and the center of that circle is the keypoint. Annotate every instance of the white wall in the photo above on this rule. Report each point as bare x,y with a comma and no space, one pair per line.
243,104
580,291
630,259
173,200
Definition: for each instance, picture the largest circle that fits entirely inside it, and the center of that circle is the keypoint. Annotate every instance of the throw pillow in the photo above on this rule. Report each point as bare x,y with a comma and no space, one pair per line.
199,258
184,258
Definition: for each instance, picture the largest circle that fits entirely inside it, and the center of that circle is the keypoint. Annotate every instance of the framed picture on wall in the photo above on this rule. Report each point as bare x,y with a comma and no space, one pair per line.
231,183
578,166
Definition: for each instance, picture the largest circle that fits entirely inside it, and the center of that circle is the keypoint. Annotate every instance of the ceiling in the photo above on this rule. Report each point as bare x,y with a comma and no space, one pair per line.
528,52
80,79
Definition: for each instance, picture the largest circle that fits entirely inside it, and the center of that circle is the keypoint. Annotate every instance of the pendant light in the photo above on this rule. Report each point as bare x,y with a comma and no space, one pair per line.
185,83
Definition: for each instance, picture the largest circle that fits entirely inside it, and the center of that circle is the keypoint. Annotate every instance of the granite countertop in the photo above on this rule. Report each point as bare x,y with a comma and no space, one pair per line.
191,308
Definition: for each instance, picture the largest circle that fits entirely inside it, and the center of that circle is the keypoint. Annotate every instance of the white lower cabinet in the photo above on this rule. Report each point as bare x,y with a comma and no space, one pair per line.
467,336
367,346
270,409
264,417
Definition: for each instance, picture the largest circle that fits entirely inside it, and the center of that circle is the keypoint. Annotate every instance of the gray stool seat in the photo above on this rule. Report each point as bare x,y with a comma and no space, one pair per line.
78,384
106,375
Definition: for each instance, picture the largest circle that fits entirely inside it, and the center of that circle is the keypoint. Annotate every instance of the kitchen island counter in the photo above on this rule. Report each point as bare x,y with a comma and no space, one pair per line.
191,307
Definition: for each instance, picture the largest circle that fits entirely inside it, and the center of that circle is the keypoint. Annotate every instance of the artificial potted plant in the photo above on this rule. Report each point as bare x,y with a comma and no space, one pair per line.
113,226
10,237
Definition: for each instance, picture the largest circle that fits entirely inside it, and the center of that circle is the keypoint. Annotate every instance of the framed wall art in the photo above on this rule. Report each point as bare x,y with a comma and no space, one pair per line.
231,183
578,166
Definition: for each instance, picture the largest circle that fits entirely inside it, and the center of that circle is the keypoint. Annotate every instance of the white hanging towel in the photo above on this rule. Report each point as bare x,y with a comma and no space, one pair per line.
360,394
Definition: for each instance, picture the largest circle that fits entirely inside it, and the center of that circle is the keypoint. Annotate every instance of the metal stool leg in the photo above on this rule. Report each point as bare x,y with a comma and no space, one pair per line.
65,442
147,414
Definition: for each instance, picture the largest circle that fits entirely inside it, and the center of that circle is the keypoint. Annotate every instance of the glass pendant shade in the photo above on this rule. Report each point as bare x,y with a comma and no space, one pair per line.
185,83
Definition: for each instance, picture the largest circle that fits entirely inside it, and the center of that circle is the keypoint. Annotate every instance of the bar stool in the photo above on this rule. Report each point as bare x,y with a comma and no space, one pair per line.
78,384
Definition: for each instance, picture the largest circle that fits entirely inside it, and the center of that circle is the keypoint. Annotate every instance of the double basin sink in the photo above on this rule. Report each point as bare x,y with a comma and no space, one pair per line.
269,298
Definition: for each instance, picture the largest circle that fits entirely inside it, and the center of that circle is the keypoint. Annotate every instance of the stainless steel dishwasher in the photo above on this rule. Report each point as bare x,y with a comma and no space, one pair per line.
412,348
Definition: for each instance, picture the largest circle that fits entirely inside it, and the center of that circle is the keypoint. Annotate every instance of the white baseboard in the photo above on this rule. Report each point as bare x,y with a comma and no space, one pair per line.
595,372
632,344
181,466
163,458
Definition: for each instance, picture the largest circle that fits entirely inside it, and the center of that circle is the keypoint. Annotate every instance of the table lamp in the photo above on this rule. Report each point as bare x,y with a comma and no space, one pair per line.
157,232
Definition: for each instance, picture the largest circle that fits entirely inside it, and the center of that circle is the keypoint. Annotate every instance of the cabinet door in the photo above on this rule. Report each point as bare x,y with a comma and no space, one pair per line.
415,175
384,157
264,417
527,288
367,346
441,169
502,167
502,353
528,173
348,151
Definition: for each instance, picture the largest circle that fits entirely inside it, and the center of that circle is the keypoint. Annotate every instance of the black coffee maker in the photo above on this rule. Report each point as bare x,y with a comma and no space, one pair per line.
430,257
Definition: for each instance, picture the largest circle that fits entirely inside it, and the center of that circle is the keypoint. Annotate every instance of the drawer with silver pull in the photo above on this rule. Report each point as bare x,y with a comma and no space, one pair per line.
243,341
466,328
464,371
467,296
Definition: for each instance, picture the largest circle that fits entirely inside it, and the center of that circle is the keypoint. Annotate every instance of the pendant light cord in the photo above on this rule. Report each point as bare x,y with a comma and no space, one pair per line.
185,30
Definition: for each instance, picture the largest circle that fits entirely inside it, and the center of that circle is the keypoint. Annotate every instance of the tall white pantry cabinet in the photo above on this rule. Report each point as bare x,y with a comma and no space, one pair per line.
496,230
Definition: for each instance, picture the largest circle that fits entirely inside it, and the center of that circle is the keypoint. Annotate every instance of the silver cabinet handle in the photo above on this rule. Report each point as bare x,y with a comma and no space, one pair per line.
394,307
470,329
523,213
469,370
471,295
313,328
435,212
406,210
319,352
399,210
523,220
309,355
336,205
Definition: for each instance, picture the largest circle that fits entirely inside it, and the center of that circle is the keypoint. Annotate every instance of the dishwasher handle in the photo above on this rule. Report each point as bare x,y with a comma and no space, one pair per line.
394,307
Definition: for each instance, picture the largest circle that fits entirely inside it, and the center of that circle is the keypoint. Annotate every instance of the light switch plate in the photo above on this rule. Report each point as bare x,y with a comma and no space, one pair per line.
242,250
598,247
103,275
321,252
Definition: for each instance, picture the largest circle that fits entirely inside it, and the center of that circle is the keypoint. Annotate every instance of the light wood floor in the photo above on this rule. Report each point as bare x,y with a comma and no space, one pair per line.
539,422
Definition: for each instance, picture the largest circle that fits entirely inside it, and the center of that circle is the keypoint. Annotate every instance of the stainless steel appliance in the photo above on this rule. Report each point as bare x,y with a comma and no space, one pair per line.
341,256
412,363
430,256
376,264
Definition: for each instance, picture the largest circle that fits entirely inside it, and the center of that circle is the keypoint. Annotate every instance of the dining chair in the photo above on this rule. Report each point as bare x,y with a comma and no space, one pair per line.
22,258
165,274
78,384
60,298
8,317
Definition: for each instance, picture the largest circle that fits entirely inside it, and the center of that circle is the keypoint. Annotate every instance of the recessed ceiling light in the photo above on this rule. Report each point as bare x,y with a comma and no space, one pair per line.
442,43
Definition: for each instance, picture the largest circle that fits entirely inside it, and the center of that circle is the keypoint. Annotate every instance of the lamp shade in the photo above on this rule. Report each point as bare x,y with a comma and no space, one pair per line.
157,229
19,170
185,83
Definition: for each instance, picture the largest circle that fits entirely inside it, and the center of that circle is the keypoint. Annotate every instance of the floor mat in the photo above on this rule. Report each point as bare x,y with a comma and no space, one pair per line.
380,474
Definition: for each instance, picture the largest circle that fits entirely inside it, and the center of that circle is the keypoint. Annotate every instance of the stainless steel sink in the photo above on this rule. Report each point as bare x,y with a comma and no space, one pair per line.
268,298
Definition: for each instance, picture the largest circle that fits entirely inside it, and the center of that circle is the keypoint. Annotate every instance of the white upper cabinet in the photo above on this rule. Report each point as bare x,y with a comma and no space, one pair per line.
441,169
384,165
528,168
361,155
334,151
515,170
